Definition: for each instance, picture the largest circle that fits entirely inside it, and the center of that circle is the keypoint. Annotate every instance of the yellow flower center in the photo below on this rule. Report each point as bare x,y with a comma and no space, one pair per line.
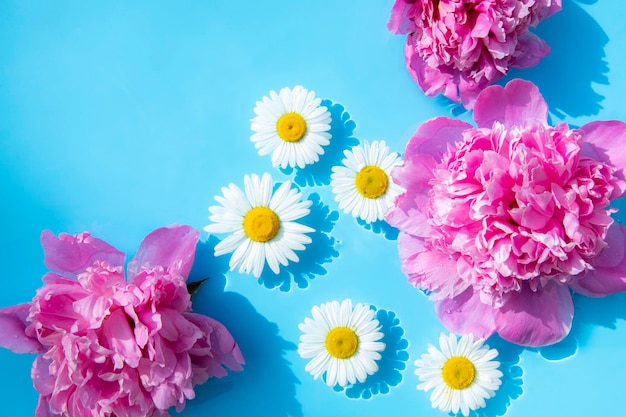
261,224
291,127
458,372
342,342
371,182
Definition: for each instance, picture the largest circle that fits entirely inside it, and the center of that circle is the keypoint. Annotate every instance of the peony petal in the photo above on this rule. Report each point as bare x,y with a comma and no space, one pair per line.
536,318
399,23
517,104
604,142
69,254
532,50
435,272
466,314
609,275
434,136
171,247
13,326
409,210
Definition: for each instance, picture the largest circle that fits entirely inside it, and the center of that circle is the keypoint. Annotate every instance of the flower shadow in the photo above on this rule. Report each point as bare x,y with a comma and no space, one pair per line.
511,388
341,129
320,251
380,227
390,366
267,381
576,61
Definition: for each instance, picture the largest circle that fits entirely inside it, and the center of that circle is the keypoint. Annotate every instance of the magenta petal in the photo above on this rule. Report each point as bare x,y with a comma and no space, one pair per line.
72,254
465,314
609,273
171,247
604,141
431,81
13,330
399,23
434,136
532,50
517,104
536,318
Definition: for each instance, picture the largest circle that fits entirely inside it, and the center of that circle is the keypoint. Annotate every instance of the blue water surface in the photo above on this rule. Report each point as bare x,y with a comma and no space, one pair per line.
120,117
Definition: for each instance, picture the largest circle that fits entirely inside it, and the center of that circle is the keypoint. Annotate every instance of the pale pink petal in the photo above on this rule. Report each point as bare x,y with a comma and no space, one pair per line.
13,334
604,141
536,318
409,210
466,314
609,273
171,247
517,104
434,137
69,254
435,272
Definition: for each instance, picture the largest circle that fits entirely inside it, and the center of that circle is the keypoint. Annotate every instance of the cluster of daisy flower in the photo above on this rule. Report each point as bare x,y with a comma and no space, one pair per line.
264,224
344,343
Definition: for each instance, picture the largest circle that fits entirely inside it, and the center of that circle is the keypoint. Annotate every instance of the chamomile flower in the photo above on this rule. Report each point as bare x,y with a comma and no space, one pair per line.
463,374
292,126
262,224
343,341
363,185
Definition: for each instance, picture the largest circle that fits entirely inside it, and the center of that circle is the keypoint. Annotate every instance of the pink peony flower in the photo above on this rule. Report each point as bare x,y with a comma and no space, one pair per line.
111,347
457,48
499,222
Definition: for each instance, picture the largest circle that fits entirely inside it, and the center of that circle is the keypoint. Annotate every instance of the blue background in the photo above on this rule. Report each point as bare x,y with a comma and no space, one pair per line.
121,117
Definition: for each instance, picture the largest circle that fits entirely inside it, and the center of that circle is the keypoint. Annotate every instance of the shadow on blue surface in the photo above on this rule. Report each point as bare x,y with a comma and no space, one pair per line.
511,388
320,251
267,383
380,227
341,128
577,61
390,366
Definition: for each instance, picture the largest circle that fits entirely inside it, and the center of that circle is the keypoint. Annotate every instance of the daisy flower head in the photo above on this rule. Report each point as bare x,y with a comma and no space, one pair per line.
363,184
292,126
463,373
344,342
262,224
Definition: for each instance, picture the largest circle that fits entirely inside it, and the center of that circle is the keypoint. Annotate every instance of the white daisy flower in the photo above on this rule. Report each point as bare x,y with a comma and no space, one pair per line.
343,342
292,126
463,374
363,185
262,224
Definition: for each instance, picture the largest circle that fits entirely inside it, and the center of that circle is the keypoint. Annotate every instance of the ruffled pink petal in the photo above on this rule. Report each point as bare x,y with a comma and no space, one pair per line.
399,23
409,210
69,254
466,314
517,104
536,318
532,50
434,272
43,408
554,6
431,81
171,247
13,326
609,273
434,136
604,141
